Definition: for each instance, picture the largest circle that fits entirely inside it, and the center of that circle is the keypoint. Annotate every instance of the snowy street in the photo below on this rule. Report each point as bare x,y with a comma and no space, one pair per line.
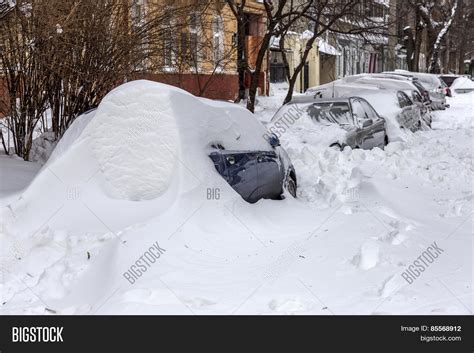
343,246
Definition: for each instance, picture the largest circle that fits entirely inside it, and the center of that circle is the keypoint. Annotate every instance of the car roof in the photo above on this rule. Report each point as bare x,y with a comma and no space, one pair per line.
449,75
389,75
310,99
388,82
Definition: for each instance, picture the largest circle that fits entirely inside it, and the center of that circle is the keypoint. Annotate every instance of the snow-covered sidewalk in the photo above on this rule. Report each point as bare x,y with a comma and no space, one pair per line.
345,246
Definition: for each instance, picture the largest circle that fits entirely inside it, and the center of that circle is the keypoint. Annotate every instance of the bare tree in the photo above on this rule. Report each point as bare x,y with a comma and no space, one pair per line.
279,16
200,49
23,36
437,17
327,16
339,16
64,56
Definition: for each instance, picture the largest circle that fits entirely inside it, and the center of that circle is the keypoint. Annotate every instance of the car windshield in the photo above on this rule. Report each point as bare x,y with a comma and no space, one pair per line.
430,81
333,112
448,80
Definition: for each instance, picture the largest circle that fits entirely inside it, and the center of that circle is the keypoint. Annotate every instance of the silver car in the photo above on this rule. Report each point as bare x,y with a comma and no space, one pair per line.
364,127
403,84
432,83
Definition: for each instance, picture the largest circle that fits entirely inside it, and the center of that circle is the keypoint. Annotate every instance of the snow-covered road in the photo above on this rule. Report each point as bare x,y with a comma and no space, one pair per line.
344,246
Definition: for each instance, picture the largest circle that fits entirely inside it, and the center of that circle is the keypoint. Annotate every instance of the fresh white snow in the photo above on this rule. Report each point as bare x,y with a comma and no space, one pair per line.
111,190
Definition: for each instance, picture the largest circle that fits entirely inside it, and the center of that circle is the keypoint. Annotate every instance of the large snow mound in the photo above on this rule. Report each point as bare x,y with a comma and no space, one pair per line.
462,83
142,130
135,139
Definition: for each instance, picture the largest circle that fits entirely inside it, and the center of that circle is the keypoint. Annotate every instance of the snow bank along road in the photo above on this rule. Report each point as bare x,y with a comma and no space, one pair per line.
372,232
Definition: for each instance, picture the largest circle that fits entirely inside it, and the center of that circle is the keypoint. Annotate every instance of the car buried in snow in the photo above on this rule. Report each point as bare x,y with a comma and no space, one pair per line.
437,89
344,121
394,105
256,175
410,87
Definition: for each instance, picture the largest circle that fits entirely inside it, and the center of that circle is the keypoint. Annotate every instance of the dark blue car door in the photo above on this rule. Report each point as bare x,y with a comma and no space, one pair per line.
269,175
241,172
253,174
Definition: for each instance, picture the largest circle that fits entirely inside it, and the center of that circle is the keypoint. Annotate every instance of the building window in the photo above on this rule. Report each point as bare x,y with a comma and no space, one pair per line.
138,11
194,33
169,50
218,40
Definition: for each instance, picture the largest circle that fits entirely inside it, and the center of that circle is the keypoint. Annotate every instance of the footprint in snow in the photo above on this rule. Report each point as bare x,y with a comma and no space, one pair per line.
288,305
367,257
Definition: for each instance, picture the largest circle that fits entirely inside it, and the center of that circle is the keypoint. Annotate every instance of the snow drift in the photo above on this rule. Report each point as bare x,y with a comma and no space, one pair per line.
462,85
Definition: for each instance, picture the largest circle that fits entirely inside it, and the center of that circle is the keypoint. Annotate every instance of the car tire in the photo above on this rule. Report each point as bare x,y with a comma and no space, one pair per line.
291,186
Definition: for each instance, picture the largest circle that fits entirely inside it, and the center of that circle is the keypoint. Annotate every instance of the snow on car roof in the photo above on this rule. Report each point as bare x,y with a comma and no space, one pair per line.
309,99
387,82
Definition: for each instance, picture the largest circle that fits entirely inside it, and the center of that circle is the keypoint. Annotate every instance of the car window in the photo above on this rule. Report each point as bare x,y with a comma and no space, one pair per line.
418,86
417,97
334,112
403,99
448,80
429,81
369,111
358,109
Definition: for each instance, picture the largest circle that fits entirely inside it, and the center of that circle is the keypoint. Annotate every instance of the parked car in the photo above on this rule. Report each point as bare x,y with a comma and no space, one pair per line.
425,94
362,126
407,86
462,85
448,79
437,88
256,175
395,106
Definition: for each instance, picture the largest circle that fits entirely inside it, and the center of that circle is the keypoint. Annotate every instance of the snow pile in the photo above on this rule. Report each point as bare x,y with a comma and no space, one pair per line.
142,131
307,142
134,137
459,116
462,84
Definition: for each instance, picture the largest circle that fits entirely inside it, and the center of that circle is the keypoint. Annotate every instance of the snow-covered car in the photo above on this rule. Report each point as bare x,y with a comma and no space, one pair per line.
395,106
462,85
436,87
150,139
358,123
254,174
448,79
410,87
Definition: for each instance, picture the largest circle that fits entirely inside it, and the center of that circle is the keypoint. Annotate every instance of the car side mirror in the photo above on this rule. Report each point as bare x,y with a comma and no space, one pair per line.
367,123
274,141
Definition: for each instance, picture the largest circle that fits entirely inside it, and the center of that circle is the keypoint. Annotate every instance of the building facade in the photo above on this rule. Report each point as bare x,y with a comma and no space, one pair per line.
200,53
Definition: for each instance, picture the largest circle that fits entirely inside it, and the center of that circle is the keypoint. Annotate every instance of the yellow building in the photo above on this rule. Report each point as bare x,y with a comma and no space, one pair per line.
199,46
320,65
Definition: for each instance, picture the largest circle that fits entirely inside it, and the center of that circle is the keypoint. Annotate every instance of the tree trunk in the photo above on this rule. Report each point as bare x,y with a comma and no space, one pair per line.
410,47
304,57
258,69
241,59
417,43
